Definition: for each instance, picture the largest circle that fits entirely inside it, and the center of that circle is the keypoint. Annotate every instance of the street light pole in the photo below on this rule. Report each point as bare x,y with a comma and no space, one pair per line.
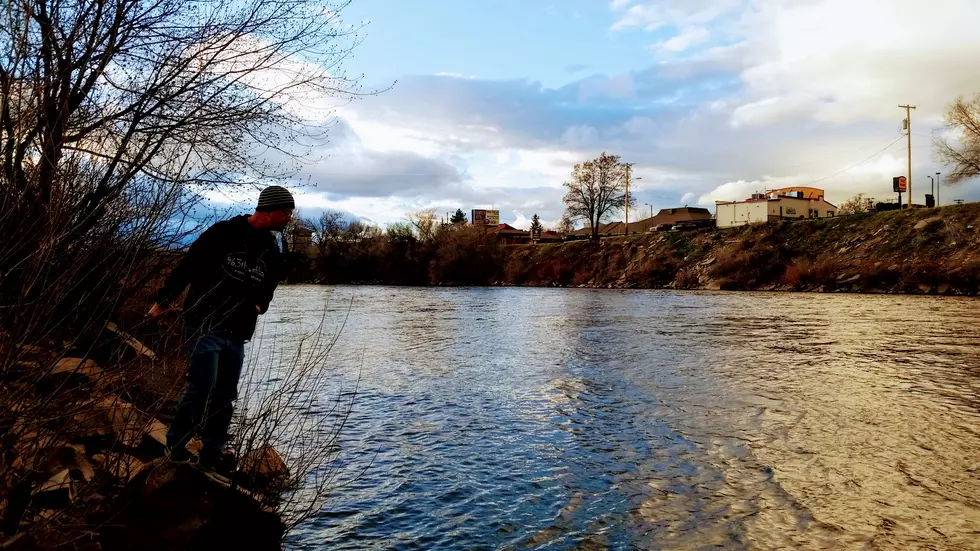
938,186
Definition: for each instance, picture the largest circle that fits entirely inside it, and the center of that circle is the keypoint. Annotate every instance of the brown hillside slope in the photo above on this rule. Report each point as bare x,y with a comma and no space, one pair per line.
934,251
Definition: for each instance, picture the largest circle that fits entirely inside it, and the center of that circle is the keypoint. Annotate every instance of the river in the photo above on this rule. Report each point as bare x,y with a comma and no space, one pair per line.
518,418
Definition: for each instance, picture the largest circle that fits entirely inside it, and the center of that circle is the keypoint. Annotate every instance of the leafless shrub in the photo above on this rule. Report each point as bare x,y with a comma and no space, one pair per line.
112,115
291,401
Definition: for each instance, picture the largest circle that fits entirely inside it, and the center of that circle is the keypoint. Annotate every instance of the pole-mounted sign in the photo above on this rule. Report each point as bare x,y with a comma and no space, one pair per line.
900,184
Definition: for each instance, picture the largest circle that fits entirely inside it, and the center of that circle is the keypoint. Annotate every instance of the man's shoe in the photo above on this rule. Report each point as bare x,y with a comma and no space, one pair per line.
210,470
179,456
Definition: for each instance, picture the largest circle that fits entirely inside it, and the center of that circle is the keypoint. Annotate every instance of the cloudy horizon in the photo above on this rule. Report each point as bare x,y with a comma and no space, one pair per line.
713,100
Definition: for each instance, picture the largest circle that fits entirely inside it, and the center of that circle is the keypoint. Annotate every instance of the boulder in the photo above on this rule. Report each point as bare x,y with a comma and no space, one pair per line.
263,470
77,366
54,493
35,449
73,458
921,224
134,428
174,506
123,466
194,446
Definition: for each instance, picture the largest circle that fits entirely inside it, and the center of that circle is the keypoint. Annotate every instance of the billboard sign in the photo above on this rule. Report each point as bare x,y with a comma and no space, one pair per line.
900,184
483,217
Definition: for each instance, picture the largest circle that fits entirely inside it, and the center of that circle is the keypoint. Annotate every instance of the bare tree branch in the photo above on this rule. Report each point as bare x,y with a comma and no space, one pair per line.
962,153
596,190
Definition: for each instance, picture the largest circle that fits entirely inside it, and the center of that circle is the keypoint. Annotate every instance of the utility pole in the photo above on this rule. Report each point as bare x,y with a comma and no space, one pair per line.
938,186
908,131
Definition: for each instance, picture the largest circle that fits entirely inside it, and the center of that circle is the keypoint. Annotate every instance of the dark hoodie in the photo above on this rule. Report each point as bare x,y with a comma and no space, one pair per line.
231,268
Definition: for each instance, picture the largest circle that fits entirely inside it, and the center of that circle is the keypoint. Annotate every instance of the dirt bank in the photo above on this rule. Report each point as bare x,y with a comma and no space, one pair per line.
925,251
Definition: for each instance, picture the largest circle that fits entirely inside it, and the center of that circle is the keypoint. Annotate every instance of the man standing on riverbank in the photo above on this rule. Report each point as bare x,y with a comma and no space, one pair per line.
233,269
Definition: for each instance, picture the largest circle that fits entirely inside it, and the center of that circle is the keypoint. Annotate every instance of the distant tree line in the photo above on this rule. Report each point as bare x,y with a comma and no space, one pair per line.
422,250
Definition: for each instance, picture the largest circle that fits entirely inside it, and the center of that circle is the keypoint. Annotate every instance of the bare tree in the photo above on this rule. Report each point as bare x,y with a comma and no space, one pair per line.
114,116
596,190
565,225
963,154
856,205
103,100
424,222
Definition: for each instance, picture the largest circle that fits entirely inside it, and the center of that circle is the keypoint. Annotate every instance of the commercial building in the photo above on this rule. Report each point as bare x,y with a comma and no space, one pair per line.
509,235
665,216
791,203
675,215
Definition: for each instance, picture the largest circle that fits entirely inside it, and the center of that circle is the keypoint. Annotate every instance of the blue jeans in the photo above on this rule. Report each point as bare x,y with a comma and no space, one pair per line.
208,399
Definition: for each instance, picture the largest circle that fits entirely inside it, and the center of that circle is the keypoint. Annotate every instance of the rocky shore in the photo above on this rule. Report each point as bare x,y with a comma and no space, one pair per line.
84,463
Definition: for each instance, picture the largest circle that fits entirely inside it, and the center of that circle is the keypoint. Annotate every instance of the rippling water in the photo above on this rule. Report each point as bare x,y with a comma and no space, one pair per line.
600,419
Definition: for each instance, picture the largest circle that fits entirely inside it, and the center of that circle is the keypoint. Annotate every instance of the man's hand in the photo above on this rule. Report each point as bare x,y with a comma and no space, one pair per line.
155,311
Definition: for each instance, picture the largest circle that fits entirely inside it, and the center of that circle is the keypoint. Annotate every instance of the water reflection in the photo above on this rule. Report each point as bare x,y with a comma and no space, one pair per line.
575,419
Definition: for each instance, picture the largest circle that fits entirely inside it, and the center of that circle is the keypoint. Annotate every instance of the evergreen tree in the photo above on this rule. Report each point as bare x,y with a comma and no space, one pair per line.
458,218
536,224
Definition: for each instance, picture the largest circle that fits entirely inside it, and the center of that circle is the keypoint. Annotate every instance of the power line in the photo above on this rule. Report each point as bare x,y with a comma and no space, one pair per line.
821,160
879,152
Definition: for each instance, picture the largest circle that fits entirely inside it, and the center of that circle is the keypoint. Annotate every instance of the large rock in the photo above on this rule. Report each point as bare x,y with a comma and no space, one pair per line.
264,470
174,506
54,493
123,466
134,428
77,366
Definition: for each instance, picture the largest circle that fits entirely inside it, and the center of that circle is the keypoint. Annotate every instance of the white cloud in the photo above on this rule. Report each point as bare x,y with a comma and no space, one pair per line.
689,37
794,92
845,60
653,15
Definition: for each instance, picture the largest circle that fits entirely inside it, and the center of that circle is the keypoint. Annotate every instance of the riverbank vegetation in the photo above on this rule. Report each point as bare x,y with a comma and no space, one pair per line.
917,251
115,118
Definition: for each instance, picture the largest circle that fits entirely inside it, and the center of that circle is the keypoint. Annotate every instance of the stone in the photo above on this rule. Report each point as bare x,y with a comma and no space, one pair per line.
194,446
55,492
92,424
174,506
86,368
926,221
36,449
133,427
120,465
73,458
264,470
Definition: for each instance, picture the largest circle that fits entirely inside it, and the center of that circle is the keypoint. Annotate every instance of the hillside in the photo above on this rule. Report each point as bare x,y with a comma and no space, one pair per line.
925,251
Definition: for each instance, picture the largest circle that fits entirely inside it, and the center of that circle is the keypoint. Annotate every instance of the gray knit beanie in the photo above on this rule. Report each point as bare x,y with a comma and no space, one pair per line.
275,198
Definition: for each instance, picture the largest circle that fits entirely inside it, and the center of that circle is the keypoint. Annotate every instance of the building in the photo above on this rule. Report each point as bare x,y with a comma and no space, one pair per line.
509,235
791,203
664,216
675,215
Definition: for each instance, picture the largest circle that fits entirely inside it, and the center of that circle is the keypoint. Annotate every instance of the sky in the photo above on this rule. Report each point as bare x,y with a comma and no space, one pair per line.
490,104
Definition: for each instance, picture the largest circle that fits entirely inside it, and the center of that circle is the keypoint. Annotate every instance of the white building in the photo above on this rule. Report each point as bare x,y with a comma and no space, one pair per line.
792,203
